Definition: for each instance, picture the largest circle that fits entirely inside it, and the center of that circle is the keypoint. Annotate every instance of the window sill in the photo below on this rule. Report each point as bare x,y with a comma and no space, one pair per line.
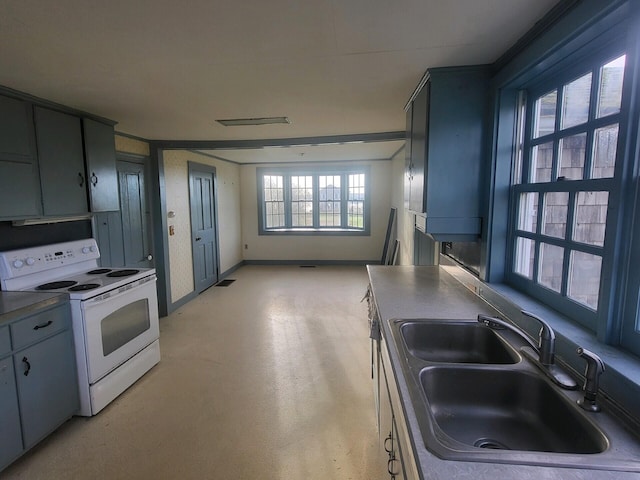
316,232
621,380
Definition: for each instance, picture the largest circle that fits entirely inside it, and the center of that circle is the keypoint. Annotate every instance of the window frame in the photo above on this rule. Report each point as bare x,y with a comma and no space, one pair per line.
595,320
315,172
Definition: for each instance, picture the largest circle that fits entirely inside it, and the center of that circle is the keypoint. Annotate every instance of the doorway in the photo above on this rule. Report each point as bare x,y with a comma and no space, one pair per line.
204,228
135,216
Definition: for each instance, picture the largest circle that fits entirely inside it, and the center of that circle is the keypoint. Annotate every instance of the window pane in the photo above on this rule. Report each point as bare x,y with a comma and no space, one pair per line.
525,254
575,102
274,200
355,201
541,162
610,92
528,213
572,155
605,142
554,214
550,266
302,201
584,278
544,121
591,217
330,195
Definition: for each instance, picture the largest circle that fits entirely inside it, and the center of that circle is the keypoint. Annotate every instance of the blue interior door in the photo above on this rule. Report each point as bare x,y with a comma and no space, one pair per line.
203,226
135,217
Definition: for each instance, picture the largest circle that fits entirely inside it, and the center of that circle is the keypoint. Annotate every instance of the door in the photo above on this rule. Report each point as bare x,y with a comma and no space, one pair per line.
119,326
203,225
134,215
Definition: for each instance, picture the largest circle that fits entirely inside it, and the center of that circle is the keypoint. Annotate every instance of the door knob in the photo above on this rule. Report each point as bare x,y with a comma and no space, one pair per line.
198,239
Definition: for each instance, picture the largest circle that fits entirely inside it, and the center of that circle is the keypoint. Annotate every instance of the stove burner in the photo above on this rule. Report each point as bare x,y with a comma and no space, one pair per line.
84,286
123,273
98,271
56,285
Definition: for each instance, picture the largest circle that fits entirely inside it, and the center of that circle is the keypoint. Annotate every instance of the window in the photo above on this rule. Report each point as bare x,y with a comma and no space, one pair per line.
565,178
322,201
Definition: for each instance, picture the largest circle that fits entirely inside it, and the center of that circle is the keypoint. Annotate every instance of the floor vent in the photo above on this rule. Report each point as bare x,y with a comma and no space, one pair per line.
225,283
307,266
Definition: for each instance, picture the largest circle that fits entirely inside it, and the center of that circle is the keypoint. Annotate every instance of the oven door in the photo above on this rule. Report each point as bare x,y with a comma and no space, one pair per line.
119,324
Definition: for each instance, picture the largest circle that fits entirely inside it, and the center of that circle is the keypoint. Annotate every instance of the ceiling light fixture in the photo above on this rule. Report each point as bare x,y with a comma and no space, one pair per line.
241,122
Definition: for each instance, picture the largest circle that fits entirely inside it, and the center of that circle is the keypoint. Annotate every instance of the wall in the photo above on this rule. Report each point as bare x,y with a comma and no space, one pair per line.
322,248
127,144
405,220
176,182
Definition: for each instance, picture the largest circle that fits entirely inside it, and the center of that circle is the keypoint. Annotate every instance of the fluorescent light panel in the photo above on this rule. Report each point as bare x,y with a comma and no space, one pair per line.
239,122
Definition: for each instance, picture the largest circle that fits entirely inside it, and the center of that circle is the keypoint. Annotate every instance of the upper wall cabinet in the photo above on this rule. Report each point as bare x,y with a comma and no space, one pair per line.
19,181
61,160
445,122
100,153
54,163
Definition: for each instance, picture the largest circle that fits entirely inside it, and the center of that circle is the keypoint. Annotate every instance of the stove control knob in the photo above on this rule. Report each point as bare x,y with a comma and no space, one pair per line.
86,250
30,261
18,264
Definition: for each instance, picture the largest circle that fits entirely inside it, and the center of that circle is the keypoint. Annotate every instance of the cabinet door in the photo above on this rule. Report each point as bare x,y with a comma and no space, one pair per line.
62,177
419,141
11,436
19,181
47,386
100,153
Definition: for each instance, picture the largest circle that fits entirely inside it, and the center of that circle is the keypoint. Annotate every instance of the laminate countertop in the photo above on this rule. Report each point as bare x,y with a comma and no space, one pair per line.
19,304
412,292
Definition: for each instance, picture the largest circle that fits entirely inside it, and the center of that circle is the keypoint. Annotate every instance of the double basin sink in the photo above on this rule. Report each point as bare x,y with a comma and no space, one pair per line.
476,398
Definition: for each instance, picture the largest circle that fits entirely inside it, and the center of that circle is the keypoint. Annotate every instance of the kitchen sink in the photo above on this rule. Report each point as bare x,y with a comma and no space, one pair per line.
475,398
507,410
456,342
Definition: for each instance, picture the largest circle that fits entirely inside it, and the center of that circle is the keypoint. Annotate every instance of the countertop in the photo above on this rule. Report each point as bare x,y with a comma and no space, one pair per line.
18,304
431,292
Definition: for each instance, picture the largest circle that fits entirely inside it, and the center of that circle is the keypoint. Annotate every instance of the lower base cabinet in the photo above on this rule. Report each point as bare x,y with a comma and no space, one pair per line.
11,433
38,380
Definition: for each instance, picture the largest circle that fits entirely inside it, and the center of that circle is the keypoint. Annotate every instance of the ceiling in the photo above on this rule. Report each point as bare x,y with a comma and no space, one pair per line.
168,69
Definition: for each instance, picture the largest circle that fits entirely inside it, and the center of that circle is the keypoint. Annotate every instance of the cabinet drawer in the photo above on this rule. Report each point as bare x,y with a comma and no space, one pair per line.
39,326
5,341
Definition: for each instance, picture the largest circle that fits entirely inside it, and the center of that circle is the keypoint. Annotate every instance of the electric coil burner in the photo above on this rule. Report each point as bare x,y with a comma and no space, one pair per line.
114,312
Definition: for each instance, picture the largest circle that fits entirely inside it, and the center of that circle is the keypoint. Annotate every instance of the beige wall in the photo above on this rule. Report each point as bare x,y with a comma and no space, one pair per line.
405,219
300,247
177,200
131,145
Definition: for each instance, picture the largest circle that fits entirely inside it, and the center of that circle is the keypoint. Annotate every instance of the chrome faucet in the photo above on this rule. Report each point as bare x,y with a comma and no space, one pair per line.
541,354
593,370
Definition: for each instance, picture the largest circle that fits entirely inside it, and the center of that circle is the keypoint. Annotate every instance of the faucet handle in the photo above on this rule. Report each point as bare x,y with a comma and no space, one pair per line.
546,339
593,370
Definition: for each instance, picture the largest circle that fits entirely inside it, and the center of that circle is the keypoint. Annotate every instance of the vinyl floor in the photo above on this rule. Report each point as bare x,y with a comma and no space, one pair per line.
267,378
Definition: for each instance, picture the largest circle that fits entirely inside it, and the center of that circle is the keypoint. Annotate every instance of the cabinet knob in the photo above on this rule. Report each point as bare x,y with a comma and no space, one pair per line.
149,257
80,179
392,467
94,179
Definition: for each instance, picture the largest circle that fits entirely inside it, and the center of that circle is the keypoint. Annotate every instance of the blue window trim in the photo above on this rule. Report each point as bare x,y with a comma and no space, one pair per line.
288,172
567,45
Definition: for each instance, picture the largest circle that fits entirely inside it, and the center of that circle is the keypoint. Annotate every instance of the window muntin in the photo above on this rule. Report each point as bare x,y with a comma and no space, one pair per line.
273,194
562,193
301,201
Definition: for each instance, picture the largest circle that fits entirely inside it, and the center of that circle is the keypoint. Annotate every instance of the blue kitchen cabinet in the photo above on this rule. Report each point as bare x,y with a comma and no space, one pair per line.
446,117
19,177
61,162
38,379
100,155
11,438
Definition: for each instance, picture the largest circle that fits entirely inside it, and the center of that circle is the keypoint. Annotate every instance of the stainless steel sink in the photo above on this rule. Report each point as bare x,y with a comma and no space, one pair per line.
507,410
475,398
456,342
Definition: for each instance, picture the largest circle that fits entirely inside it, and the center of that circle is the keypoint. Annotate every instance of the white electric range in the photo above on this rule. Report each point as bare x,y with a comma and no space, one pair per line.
114,313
